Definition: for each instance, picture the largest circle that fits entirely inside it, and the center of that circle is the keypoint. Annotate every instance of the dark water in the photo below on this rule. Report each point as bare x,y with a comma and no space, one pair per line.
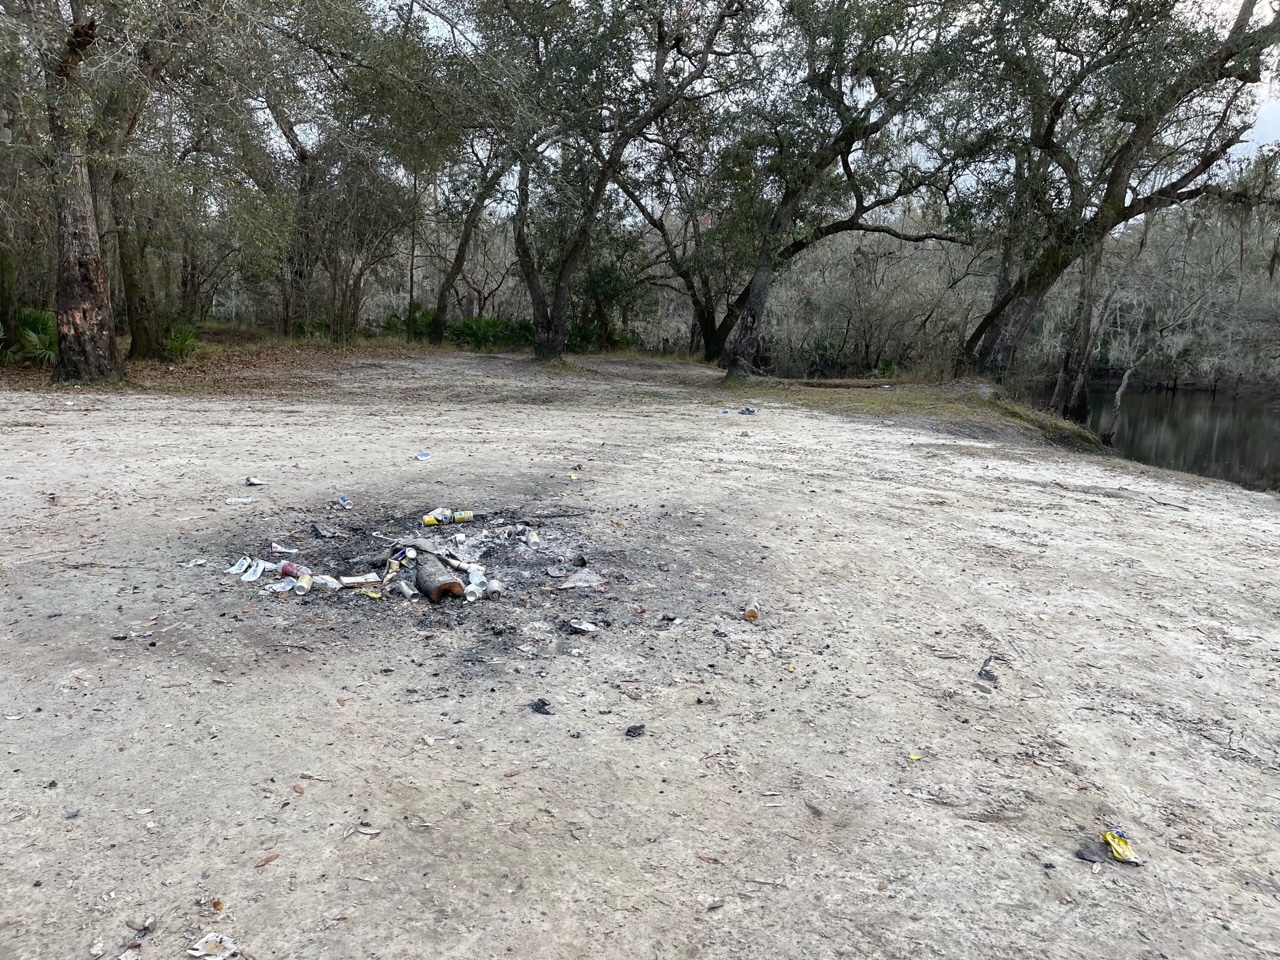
1231,438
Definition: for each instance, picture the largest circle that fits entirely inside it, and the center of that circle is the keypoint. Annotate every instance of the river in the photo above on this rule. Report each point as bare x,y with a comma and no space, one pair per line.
1231,438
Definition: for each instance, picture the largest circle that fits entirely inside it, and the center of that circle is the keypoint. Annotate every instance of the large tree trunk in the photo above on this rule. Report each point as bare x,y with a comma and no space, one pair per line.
742,356
146,336
1067,397
544,340
550,336
994,342
713,342
82,300
1000,345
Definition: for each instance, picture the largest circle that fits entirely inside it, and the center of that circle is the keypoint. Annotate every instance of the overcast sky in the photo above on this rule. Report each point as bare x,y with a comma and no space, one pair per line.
1267,129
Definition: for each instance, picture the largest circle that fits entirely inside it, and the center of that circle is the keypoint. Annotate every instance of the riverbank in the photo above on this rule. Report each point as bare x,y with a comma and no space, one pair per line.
349,776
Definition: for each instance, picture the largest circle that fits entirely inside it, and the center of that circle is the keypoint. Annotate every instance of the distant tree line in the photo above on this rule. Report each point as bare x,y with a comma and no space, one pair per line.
819,187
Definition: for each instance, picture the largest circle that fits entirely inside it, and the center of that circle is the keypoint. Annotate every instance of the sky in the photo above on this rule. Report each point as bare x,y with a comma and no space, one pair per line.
1267,129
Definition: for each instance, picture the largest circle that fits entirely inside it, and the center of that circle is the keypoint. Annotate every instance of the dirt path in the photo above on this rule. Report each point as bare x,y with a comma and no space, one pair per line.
775,805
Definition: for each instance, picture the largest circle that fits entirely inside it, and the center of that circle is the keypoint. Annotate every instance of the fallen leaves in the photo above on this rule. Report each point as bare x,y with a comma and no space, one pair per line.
272,858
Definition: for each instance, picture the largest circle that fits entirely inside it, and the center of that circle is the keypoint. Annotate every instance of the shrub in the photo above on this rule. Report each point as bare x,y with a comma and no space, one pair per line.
421,319
182,342
487,333
37,339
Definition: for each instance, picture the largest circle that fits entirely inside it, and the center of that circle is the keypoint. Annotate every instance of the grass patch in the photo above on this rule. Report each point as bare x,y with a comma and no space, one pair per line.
967,407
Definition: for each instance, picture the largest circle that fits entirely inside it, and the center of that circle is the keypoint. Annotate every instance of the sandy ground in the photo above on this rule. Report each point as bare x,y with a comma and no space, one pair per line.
833,781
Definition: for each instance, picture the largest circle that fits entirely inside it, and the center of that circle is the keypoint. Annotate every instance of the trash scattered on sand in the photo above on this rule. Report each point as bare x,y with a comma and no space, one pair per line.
344,503
256,570
748,411
583,578
254,482
1120,848
443,515
635,730
239,501
424,455
437,584
541,706
215,945
432,564
985,672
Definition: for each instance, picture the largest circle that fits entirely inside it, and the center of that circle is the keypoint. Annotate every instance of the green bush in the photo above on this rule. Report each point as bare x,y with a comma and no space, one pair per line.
37,339
421,319
182,342
888,370
588,338
306,329
487,333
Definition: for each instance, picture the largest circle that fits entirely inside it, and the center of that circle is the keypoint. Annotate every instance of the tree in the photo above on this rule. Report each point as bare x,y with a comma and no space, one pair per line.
86,324
8,252
840,126
607,71
1118,111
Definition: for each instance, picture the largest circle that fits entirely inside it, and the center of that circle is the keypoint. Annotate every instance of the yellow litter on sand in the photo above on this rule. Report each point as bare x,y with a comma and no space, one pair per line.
1120,849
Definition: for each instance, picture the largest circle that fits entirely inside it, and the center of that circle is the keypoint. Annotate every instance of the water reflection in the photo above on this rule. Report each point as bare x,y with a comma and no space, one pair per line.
1231,438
